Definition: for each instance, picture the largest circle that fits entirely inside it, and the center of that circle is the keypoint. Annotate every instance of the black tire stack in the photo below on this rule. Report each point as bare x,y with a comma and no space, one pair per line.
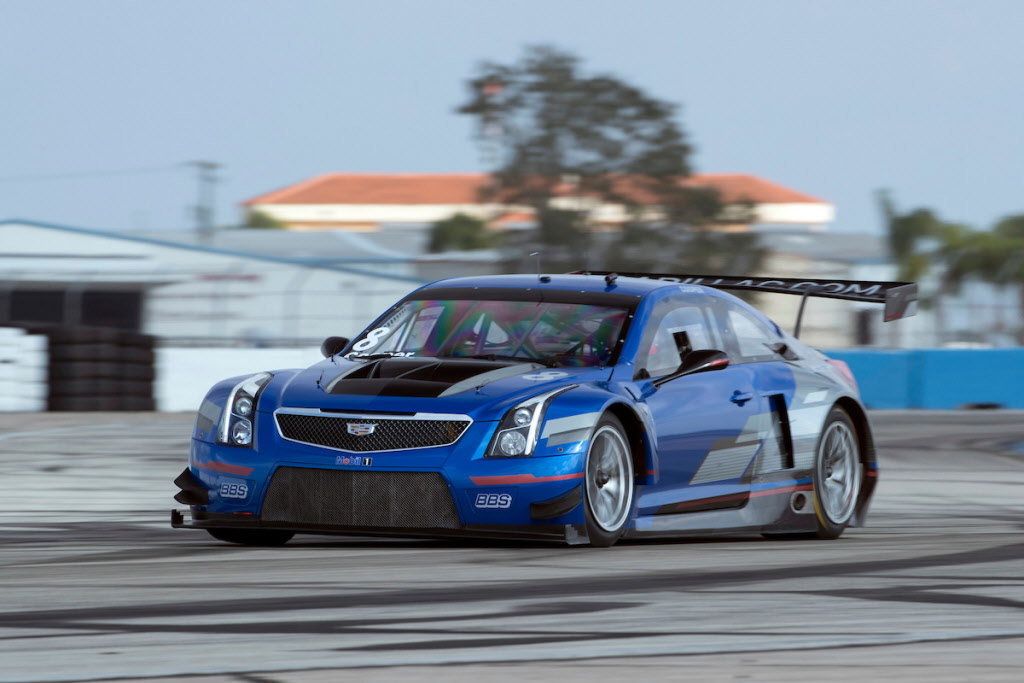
99,368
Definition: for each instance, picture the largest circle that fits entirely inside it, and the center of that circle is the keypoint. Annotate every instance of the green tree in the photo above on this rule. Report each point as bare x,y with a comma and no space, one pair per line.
562,141
254,218
907,234
460,232
1010,227
919,240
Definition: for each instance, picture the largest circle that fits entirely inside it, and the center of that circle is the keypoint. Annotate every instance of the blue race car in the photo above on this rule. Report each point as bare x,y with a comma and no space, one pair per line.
581,408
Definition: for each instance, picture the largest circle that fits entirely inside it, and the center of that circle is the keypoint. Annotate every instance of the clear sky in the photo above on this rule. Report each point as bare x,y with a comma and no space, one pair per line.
836,99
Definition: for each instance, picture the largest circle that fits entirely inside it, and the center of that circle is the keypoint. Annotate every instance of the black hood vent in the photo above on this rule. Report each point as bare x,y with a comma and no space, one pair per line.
423,377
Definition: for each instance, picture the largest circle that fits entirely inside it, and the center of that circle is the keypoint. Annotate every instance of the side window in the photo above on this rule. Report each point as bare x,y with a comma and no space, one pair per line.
747,336
682,328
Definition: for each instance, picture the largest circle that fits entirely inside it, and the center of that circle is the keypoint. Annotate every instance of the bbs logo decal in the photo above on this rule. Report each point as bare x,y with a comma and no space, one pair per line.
494,501
234,490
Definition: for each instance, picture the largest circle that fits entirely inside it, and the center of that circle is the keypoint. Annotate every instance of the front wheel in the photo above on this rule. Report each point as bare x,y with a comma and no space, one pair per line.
838,475
257,537
609,483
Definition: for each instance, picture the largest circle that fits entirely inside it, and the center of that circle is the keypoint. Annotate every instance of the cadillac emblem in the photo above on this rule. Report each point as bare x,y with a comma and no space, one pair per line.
360,428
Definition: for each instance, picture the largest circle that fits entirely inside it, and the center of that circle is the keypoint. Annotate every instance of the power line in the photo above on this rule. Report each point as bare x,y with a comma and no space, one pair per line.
107,173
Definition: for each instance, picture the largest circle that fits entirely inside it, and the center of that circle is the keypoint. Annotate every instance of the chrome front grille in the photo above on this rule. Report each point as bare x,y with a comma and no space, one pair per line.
370,433
353,498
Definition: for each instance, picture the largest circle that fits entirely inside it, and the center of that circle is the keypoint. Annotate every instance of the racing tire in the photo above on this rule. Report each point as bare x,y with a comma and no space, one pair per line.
83,352
82,403
838,475
84,387
608,483
70,370
265,538
136,354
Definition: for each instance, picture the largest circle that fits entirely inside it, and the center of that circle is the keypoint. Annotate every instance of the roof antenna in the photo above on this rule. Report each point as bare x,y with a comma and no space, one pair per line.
539,278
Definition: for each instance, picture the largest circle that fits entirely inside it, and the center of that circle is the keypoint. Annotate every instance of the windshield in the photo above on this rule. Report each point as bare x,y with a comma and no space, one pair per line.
551,333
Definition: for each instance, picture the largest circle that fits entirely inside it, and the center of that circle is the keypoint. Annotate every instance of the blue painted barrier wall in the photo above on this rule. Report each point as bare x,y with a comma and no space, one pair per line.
937,379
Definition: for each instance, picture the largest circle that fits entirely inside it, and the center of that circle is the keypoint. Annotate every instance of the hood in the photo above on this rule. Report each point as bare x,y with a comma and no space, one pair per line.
410,385
423,377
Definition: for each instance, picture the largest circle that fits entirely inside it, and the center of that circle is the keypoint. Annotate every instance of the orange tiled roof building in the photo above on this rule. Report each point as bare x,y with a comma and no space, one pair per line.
370,201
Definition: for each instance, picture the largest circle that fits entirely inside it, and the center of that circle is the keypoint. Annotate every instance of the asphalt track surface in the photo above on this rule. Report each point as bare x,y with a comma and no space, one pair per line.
95,585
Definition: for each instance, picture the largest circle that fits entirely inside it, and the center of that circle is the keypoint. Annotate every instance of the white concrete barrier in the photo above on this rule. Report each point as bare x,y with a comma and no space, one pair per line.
184,375
23,371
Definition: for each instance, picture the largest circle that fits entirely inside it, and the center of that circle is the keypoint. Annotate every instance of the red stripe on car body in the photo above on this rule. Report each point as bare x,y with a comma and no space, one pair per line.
521,479
222,467
788,489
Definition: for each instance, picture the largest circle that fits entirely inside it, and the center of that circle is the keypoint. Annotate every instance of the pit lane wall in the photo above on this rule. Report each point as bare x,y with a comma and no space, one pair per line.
938,379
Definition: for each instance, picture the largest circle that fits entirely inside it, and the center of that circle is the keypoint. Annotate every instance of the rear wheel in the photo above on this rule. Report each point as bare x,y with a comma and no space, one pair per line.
257,537
609,483
838,475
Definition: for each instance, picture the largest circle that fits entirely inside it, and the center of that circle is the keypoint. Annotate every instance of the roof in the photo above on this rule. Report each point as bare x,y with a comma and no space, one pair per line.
565,282
236,246
466,188
337,246
380,188
738,187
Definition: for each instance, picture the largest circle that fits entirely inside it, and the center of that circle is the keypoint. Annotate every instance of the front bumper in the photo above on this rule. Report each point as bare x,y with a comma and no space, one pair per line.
437,491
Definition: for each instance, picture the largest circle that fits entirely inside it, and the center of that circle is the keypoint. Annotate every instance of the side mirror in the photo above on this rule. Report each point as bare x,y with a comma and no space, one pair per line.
332,346
704,360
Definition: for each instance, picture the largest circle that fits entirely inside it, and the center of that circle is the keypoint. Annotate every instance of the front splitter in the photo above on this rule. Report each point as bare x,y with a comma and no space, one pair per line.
571,534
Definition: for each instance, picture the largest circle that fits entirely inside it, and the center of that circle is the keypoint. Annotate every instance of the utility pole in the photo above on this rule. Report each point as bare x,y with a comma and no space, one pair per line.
206,199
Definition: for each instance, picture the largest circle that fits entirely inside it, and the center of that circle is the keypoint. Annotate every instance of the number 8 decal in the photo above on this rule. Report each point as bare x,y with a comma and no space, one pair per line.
371,339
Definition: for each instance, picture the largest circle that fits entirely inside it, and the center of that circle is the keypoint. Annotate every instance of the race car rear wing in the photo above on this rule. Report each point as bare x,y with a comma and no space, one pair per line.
900,298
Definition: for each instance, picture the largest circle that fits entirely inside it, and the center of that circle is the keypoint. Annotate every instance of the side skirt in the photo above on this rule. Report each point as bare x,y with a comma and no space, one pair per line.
776,504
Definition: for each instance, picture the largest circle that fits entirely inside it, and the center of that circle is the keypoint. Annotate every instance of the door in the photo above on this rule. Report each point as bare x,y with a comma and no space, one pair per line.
707,425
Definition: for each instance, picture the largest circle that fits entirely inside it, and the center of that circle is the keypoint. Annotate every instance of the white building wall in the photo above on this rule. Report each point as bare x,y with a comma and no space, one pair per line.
184,375
816,215
258,303
827,323
375,213
813,214
198,293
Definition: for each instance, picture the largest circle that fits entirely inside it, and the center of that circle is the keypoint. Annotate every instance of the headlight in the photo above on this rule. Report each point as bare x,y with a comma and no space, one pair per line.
518,431
236,427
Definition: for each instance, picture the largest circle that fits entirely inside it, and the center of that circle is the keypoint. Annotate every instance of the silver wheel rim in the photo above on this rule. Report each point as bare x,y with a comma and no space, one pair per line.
840,474
609,479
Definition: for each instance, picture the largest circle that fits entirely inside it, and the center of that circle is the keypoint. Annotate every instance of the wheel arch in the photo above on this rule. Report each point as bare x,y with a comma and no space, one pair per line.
639,443
868,455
